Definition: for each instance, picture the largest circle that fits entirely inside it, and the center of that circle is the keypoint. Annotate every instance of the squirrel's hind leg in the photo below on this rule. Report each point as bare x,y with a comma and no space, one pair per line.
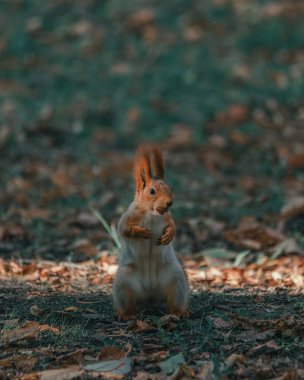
177,295
127,289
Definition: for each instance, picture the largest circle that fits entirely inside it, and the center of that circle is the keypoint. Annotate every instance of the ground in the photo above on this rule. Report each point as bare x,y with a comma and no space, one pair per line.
219,86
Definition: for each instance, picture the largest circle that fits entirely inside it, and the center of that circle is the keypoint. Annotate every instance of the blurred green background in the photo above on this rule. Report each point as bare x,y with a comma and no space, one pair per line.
219,84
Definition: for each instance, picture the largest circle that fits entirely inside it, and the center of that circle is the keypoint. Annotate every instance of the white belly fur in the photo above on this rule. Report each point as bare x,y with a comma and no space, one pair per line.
153,263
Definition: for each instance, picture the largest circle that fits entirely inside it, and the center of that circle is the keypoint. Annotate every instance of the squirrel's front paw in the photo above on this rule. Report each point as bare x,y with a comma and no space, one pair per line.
142,232
166,238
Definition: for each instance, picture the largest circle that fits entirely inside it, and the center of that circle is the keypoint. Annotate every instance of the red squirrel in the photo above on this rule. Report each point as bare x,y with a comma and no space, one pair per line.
148,267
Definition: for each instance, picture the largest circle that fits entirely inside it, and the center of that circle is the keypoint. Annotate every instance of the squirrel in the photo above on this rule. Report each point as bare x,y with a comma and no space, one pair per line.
148,267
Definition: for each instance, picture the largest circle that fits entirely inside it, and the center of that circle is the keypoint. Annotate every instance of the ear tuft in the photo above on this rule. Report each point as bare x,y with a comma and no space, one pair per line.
142,167
157,162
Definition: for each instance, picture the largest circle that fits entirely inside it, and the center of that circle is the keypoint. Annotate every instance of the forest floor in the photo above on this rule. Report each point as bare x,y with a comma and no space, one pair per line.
219,85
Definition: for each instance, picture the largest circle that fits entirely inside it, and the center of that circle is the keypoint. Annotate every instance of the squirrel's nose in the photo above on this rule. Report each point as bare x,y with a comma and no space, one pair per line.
169,204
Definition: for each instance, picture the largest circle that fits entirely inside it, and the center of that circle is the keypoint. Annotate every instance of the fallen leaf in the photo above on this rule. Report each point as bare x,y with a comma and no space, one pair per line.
114,367
182,372
168,366
31,376
140,326
141,19
7,362
29,330
263,371
265,334
111,353
10,231
235,114
293,207
50,328
235,358
296,161
253,235
87,219
75,357
71,309
25,362
264,348
83,246
37,311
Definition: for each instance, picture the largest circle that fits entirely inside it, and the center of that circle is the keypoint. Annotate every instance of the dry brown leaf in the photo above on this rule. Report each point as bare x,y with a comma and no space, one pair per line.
264,348
75,357
236,113
296,161
50,328
29,330
264,334
83,246
31,376
263,371
141,19
253,235
37,311
235,358
7,362
10,231
111,353
140,326
71,309
25,362
87,219
293,208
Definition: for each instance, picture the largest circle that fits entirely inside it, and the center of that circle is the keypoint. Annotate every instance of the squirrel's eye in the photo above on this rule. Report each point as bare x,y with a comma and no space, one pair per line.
152,191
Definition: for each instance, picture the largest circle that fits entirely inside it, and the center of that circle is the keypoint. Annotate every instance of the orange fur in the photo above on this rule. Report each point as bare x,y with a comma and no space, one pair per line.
169,231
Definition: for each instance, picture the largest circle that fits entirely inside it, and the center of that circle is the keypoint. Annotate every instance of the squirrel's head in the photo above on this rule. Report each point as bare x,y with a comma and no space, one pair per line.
152,192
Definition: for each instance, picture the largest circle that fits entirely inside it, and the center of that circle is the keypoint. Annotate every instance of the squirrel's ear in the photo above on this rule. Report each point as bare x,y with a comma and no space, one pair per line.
142,167
157,162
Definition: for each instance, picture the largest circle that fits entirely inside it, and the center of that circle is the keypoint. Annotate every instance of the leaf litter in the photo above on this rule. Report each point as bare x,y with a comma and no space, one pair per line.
241,233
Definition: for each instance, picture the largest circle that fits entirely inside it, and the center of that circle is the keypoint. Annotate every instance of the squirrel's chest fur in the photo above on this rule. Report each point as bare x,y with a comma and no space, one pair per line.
148,259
